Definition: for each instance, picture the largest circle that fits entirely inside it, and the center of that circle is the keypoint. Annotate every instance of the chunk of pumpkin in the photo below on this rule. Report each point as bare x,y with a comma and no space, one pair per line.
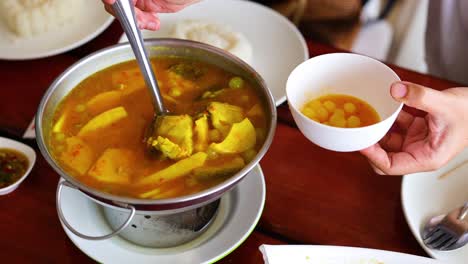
104,101
226,168
103,120
201,134
176,170
173,136
224,115
114,166
240,138
77,155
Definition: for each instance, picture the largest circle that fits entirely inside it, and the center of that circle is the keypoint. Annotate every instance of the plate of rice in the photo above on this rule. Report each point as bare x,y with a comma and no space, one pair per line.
260,36
31,29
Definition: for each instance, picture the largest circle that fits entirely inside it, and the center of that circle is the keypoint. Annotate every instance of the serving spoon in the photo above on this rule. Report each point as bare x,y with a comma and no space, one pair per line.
124,12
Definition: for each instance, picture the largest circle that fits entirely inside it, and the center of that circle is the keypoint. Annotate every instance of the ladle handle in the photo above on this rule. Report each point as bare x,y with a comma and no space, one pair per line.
124,11
77,233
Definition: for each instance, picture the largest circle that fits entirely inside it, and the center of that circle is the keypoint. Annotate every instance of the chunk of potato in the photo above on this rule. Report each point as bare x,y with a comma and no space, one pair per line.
353,121
349,108
176,130
226,168
114,166
77,155
104,101
176,170
240,138
201,134
337,121
103,120
224,115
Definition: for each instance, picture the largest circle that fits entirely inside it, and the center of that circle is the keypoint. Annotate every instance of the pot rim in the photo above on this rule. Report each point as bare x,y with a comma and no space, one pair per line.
171,203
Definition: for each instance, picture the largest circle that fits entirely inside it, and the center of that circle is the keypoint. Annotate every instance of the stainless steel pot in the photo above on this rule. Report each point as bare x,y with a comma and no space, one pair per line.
121,53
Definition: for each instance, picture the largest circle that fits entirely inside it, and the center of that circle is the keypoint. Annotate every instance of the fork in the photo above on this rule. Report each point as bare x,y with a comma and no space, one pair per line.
448,233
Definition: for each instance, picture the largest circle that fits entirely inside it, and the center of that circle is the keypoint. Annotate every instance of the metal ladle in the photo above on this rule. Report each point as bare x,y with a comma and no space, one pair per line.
124,12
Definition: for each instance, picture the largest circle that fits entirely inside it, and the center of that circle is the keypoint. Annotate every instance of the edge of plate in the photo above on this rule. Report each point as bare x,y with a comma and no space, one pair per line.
404,182
50,53
252,228
223,254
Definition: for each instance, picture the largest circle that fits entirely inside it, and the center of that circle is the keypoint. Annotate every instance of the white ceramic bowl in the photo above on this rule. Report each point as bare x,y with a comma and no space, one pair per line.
343,73
22,148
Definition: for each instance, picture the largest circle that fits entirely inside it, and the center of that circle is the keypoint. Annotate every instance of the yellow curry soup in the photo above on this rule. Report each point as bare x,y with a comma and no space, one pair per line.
341,110
217,125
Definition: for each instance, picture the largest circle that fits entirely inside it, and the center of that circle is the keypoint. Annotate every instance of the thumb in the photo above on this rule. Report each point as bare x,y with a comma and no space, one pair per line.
418,96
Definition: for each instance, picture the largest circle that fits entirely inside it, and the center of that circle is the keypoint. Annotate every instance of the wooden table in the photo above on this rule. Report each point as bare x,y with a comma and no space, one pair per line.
314,196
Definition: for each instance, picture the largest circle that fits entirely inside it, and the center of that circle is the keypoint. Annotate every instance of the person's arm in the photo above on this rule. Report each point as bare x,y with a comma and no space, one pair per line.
146,11
423,143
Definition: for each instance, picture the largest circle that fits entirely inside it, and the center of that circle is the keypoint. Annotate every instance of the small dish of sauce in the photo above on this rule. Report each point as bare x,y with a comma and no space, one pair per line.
13,165
16,162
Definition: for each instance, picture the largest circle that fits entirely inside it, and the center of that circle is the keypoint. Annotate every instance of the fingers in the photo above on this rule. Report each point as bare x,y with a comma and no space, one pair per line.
392,142
404,120
108,8
391,163
418,96
109,2
164,6
147,20
376,156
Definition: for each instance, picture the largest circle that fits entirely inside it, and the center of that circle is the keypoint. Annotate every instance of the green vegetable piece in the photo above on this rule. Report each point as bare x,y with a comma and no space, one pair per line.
236,83
188,70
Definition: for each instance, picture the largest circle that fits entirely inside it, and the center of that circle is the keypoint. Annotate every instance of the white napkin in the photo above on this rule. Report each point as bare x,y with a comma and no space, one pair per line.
30,132
308,254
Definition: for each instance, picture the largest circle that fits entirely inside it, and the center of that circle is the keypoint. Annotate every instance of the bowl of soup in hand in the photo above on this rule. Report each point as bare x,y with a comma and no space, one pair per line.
342,101
92,125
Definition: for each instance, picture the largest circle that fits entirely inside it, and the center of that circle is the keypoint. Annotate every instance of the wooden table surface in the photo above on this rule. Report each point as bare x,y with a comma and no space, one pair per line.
314,196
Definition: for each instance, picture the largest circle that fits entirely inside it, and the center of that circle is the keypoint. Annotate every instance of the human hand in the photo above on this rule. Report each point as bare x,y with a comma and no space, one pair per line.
146,11
424,143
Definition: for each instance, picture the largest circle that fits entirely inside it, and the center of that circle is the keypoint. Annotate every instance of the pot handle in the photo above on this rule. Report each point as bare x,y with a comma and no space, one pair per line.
74,231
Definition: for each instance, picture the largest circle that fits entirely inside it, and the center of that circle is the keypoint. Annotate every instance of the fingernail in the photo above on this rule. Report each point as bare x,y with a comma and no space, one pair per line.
152,26
399,90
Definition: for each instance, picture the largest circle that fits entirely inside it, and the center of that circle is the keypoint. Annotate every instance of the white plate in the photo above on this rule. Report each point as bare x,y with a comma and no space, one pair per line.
238,215
299,254
425,195
93,20
278,47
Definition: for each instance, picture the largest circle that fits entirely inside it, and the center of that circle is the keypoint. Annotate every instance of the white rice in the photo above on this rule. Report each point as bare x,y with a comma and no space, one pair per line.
27,18
220,36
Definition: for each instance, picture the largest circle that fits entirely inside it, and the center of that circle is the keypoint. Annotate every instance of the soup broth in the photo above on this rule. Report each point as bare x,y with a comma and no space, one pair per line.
217,124
340,110
13,165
